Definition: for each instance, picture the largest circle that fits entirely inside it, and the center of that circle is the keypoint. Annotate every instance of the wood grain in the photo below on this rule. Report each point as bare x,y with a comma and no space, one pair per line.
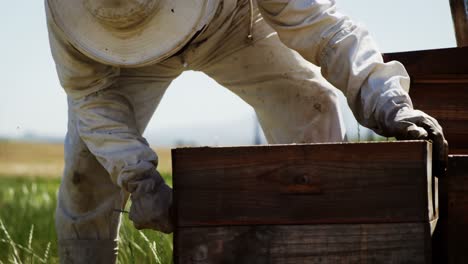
448,103
457,220
365,243
450,240
436,65
303,184
439,87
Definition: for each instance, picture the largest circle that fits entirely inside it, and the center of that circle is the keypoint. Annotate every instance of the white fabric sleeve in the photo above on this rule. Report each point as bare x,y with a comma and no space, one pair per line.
349,58
106,123
104,118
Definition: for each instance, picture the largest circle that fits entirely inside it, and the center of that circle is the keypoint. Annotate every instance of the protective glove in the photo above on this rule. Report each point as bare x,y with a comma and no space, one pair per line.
409,124
151,203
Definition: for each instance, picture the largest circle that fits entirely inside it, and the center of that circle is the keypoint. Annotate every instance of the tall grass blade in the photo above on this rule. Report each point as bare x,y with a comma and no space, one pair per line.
16,256
46,253
31,232
25,249
152,249
30,237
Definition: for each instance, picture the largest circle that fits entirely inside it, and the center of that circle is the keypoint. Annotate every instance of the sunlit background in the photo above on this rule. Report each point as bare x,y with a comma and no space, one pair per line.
195,110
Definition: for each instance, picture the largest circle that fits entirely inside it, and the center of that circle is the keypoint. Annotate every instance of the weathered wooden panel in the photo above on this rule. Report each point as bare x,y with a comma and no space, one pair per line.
457,220
439,237
436,65
460,20
450,240
303,184
369,243
448,103
439,86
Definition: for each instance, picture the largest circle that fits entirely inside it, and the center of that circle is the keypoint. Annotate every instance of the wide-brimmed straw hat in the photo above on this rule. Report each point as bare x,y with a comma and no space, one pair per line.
128,33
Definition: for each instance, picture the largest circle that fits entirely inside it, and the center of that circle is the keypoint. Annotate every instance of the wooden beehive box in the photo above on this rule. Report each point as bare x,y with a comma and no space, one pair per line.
450,241
439,87
314,203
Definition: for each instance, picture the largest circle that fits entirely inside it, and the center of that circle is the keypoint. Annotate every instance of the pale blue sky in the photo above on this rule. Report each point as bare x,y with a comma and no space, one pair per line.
33,101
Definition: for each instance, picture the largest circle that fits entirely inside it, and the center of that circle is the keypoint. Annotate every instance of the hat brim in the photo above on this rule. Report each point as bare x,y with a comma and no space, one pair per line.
169,29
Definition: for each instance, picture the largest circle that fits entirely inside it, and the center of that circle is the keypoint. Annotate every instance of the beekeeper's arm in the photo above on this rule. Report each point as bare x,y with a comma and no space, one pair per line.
377,92
106,123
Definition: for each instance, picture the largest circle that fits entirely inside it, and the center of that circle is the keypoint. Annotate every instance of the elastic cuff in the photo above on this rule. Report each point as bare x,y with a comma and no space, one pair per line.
387,113
87,251
135,172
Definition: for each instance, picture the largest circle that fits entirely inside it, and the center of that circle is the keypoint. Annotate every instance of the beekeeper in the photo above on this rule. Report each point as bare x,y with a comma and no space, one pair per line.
116,58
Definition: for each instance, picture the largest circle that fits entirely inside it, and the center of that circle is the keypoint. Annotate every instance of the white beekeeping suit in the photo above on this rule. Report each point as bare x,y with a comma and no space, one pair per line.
347,54
377,92
115,59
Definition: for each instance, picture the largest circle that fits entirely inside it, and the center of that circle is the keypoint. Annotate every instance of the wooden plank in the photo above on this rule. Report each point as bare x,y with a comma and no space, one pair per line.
358,243
303,184
460,20
439,236
450,240
439,87
433,64
448,103
458,209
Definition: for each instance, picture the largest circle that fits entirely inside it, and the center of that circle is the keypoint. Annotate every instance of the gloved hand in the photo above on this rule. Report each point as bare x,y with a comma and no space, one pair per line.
151,203
409,124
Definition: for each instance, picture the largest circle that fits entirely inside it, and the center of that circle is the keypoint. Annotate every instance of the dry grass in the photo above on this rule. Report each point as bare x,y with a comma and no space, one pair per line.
31,159
46,159
165,161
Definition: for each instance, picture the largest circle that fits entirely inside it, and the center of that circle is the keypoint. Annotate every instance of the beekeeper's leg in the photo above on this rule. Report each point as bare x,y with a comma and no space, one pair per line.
87,217
294,103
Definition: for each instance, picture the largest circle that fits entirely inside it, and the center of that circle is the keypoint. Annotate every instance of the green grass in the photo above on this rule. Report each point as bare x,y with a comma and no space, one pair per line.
27,233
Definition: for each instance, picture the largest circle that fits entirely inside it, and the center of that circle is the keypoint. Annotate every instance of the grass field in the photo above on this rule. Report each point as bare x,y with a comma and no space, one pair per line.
29,179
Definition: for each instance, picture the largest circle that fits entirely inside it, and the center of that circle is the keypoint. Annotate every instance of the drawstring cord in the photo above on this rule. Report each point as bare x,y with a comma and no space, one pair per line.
251,7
